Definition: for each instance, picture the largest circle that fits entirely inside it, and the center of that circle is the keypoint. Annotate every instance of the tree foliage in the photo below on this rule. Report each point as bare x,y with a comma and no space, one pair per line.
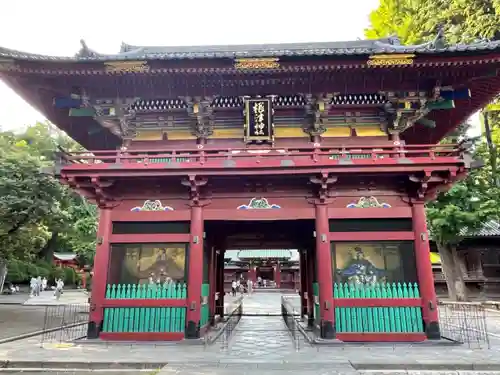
38,215
472,202
416,21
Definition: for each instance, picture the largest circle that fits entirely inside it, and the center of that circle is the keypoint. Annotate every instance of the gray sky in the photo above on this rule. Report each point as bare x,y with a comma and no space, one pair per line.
54,27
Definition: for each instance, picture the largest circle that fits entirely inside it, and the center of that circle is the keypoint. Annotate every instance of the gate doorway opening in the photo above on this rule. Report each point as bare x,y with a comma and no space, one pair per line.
261,257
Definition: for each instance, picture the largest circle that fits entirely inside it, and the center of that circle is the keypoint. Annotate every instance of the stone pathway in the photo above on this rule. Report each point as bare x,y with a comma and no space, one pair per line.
260,336
68,297
263,345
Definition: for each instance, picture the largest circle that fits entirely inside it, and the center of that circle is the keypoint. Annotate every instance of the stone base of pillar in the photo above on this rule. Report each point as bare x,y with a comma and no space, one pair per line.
192,330
432,331
93,330
327,330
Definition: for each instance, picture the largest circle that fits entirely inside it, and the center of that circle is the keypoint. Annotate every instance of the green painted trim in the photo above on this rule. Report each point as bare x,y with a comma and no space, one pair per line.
378,319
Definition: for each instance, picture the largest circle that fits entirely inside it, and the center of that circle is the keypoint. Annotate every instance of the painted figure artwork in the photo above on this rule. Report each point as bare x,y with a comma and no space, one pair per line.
365,264
156,263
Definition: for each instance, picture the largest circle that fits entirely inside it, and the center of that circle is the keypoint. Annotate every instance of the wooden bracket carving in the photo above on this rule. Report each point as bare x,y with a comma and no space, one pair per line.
324,184
403,112
195,185
202,114
316,111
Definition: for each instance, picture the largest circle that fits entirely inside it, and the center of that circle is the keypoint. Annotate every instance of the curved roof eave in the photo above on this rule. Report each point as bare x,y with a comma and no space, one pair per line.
317,49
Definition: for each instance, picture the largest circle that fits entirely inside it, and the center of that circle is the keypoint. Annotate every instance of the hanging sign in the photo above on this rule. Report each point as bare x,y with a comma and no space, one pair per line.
259,120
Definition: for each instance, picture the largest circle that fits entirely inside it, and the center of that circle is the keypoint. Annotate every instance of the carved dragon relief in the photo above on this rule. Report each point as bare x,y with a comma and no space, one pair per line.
316,112
202,114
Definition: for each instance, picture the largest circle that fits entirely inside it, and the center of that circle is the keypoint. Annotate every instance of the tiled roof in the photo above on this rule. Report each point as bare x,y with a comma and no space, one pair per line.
65,256
274,254
489,229
350,48
232,255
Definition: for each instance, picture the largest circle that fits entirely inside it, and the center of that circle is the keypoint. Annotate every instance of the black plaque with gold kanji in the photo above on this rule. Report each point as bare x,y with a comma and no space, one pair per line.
259,120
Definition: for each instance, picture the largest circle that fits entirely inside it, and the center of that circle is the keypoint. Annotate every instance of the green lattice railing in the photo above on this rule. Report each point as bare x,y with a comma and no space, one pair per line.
145,319
316,301
205,291
378,319
140,291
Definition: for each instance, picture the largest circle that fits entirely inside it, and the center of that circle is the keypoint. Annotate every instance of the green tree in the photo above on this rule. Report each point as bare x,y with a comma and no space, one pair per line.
469,203
416,21
38,215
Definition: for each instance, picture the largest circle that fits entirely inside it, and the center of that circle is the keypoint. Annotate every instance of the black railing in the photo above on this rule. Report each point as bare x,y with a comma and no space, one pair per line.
464,323
65,323
229,322
290,319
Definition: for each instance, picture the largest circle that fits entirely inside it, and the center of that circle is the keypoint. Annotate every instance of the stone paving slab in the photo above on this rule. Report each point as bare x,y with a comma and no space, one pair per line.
272,350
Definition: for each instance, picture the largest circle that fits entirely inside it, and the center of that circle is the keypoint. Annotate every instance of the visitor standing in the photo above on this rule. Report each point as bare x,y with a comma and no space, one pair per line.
250,286
44,284
233,288
32,287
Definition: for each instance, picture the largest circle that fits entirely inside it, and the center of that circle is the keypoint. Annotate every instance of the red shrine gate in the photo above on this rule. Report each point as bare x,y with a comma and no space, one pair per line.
329,147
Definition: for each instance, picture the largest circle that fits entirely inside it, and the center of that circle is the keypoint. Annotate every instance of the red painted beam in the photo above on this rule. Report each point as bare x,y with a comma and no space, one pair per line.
146,302
378,302
149,238
381,337
201,170
372,236
271,214
120,216
371,213
142,336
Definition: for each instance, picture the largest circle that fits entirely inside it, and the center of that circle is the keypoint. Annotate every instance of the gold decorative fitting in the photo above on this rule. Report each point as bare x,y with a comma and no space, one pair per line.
262,63
391,60
126,66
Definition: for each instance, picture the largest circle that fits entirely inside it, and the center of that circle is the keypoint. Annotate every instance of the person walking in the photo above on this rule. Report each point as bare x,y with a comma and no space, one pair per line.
59,289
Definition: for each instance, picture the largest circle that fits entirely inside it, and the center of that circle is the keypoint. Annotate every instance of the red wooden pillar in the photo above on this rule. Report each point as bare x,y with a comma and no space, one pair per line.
277,275
100,273
424,271
195,274
324,272
303,283
252,273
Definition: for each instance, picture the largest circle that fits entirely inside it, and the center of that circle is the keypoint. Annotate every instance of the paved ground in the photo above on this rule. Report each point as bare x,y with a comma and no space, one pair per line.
262,345
16,299
17,319
47,298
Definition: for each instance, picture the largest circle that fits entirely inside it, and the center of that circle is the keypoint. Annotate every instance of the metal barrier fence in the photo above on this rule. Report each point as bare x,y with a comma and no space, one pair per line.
65,323
290,319
464,323
231,320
